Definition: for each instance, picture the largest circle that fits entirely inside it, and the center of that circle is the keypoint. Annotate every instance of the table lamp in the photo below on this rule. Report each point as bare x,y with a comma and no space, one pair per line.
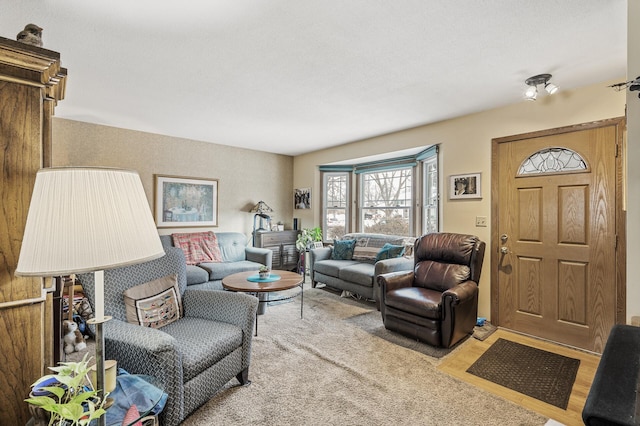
261,209
87,220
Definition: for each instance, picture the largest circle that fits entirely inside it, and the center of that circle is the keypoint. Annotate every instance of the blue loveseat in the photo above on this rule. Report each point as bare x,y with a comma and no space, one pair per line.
359,274
236,256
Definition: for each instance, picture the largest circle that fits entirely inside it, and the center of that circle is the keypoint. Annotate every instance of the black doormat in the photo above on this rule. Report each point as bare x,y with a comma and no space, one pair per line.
534,372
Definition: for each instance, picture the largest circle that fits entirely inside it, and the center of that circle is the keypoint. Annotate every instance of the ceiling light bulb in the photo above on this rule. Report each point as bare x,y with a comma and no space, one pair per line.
531,94
551,88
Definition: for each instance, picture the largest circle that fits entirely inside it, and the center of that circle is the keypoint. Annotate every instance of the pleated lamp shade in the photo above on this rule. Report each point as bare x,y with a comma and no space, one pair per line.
87,219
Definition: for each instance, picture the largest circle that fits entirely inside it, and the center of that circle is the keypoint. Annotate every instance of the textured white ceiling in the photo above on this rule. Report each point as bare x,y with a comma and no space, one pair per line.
293,76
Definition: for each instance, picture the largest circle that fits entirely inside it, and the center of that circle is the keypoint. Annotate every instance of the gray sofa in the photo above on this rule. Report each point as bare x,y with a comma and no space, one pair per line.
237,257
359,274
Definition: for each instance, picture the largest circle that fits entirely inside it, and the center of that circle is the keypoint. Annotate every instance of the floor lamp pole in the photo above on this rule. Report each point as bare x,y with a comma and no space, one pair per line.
99,321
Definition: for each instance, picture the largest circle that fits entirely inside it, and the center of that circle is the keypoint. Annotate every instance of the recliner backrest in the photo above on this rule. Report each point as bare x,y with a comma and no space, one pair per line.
444,260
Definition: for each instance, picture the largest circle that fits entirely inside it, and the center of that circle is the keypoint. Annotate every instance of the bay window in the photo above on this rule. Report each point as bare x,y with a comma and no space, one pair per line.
395,196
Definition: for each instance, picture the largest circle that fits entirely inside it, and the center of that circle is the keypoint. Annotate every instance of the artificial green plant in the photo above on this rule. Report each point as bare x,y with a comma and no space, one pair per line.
70,402
307,236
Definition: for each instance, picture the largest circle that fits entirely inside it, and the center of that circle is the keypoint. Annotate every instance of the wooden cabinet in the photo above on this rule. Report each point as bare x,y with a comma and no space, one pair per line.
283,244
31,83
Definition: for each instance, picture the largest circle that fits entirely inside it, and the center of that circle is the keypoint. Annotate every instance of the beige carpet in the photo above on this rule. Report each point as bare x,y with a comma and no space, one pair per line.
326,370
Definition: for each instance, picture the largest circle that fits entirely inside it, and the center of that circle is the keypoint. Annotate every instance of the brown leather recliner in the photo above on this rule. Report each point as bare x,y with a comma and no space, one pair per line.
437,302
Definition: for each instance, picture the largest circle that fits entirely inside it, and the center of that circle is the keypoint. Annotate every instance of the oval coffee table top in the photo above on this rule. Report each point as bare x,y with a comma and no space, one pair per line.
239,282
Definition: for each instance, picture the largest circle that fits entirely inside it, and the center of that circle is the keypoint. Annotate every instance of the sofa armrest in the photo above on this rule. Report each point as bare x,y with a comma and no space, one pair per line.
259,255
394,264
320,253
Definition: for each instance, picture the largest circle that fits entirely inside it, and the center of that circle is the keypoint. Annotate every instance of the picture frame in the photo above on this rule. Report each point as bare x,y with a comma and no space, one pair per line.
318,244
465,186
302,198
182,202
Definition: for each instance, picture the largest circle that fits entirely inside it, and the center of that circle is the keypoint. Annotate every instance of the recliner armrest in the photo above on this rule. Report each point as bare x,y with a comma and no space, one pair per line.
462,292
395,280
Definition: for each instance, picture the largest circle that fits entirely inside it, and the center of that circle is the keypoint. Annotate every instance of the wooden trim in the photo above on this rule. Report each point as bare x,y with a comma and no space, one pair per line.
23,302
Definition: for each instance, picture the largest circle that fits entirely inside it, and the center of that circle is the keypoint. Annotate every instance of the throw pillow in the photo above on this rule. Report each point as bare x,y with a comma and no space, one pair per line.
343,249
154,304
389,251
198,247
363,252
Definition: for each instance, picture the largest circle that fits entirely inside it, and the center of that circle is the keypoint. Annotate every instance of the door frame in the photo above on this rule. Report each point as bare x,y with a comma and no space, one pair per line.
620,214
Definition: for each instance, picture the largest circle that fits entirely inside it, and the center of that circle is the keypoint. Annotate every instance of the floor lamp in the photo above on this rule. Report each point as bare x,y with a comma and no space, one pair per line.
87,220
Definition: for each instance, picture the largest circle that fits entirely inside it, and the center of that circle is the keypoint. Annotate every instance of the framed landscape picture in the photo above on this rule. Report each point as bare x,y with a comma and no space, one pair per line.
465,186
185,201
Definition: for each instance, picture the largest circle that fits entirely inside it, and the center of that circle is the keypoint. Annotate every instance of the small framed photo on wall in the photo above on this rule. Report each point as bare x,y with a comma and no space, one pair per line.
302,198
465,186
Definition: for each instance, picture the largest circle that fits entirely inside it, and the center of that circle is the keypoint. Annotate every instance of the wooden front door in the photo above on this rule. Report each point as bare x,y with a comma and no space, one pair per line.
557,218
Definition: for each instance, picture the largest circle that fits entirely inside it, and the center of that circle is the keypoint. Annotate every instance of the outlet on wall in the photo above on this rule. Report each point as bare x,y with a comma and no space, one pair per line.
481,221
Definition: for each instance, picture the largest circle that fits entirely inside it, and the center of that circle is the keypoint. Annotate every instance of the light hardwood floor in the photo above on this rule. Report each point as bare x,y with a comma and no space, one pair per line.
459,360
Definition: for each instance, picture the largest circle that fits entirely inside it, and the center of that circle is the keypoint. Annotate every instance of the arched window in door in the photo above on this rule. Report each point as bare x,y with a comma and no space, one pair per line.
552,160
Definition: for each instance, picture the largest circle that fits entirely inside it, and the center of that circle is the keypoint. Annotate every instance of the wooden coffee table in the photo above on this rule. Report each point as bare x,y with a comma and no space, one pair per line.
287,281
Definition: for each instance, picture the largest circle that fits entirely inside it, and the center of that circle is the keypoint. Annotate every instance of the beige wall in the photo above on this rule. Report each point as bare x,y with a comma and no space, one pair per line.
466,148
244,176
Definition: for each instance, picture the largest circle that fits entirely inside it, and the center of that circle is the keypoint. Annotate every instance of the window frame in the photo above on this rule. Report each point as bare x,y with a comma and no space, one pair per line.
325,201
409,207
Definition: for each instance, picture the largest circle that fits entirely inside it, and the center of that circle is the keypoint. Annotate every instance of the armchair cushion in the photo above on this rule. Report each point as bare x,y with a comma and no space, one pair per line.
202,343
155,303
416,300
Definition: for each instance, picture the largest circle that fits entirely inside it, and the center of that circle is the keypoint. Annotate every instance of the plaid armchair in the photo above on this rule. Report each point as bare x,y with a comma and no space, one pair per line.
193,357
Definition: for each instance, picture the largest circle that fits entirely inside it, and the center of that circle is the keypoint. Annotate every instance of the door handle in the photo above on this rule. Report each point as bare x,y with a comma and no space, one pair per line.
504,250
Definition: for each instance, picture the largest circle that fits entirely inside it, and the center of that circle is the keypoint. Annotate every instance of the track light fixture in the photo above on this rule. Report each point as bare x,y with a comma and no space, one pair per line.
633,85
538,80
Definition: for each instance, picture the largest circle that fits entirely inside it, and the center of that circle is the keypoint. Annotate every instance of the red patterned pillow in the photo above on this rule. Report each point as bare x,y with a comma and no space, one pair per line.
198,247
